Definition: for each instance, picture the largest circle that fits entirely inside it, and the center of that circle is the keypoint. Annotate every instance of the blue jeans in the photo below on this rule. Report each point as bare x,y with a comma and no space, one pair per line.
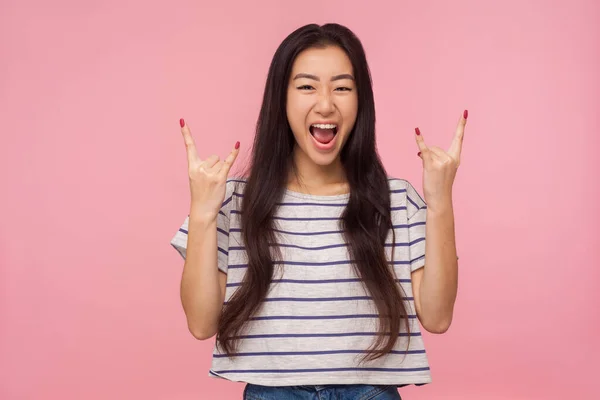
326,392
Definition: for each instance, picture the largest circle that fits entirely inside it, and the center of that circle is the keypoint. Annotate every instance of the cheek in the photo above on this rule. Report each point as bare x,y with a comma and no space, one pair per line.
297,111
350,111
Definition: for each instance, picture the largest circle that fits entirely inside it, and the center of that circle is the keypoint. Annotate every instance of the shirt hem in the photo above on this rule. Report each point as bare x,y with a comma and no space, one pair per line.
312,379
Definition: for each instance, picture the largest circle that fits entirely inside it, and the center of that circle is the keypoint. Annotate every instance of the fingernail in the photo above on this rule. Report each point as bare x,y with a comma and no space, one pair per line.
417,131
237,145
466,114
419,154
181,122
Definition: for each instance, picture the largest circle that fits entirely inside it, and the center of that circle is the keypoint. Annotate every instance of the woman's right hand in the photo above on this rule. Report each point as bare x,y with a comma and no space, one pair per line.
208,177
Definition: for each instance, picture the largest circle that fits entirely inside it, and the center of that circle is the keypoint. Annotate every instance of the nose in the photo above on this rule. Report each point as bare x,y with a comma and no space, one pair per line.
324,104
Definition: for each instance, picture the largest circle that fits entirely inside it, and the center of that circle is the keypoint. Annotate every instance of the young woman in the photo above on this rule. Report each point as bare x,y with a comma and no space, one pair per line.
310,266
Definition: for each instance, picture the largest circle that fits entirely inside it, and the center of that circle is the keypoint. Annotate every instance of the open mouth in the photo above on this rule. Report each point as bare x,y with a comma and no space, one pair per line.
323,133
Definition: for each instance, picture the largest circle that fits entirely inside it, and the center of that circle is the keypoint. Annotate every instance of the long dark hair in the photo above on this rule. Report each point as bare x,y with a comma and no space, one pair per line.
366,220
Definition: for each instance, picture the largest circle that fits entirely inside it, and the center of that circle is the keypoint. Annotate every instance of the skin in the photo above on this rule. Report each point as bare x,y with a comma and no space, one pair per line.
319,98
435,286
313,99
203,285
321,88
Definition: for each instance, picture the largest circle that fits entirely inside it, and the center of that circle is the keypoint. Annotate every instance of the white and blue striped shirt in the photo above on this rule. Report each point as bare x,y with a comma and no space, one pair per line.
317,320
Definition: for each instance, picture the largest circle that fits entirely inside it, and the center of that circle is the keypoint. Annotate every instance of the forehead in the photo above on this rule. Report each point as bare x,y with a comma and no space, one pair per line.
324,62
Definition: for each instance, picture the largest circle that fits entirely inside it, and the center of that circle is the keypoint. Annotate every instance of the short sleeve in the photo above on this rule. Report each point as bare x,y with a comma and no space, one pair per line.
179,241
416,209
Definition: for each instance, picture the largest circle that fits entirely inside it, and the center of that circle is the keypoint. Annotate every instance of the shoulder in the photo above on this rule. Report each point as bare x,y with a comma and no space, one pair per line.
235,185
397,185
234,191
402,191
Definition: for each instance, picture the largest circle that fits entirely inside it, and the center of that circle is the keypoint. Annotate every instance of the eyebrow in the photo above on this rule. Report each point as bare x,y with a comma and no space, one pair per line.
316,78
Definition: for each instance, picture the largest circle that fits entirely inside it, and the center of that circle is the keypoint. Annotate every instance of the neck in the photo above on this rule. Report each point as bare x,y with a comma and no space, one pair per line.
305,175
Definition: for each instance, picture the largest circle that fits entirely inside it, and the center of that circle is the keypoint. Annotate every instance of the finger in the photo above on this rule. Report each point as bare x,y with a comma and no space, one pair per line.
210,162
228,162
456,146
190,146
215,169
434,153
420,140
439,153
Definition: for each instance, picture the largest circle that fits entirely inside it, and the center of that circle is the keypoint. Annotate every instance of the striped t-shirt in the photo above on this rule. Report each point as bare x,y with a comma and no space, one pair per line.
317,320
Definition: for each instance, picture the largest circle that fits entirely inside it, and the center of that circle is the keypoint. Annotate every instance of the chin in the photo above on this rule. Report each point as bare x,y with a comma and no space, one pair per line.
324,160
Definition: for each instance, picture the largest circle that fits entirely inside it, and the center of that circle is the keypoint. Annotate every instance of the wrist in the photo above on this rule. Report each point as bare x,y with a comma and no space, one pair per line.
440,207
202,217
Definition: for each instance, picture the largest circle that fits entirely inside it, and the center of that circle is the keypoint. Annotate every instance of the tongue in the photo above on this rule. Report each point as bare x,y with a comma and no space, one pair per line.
323,135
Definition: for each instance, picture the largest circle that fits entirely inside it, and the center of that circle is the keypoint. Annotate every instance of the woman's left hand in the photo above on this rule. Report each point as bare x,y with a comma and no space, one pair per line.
439,168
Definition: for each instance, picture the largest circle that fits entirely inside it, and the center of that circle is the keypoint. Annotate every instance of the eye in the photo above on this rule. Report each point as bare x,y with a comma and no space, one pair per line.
344,89
305,87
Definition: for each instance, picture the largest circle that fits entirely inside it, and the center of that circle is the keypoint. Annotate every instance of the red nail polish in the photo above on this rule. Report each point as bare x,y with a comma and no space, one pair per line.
417,131
237,145
181,122
466,114
419,154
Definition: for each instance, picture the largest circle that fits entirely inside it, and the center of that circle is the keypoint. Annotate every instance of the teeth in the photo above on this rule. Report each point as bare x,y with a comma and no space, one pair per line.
325,126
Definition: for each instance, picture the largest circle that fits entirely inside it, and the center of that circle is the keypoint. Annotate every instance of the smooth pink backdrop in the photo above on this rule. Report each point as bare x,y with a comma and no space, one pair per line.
94,184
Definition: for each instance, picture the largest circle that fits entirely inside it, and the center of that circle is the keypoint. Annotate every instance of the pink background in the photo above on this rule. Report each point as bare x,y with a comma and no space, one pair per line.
94,184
